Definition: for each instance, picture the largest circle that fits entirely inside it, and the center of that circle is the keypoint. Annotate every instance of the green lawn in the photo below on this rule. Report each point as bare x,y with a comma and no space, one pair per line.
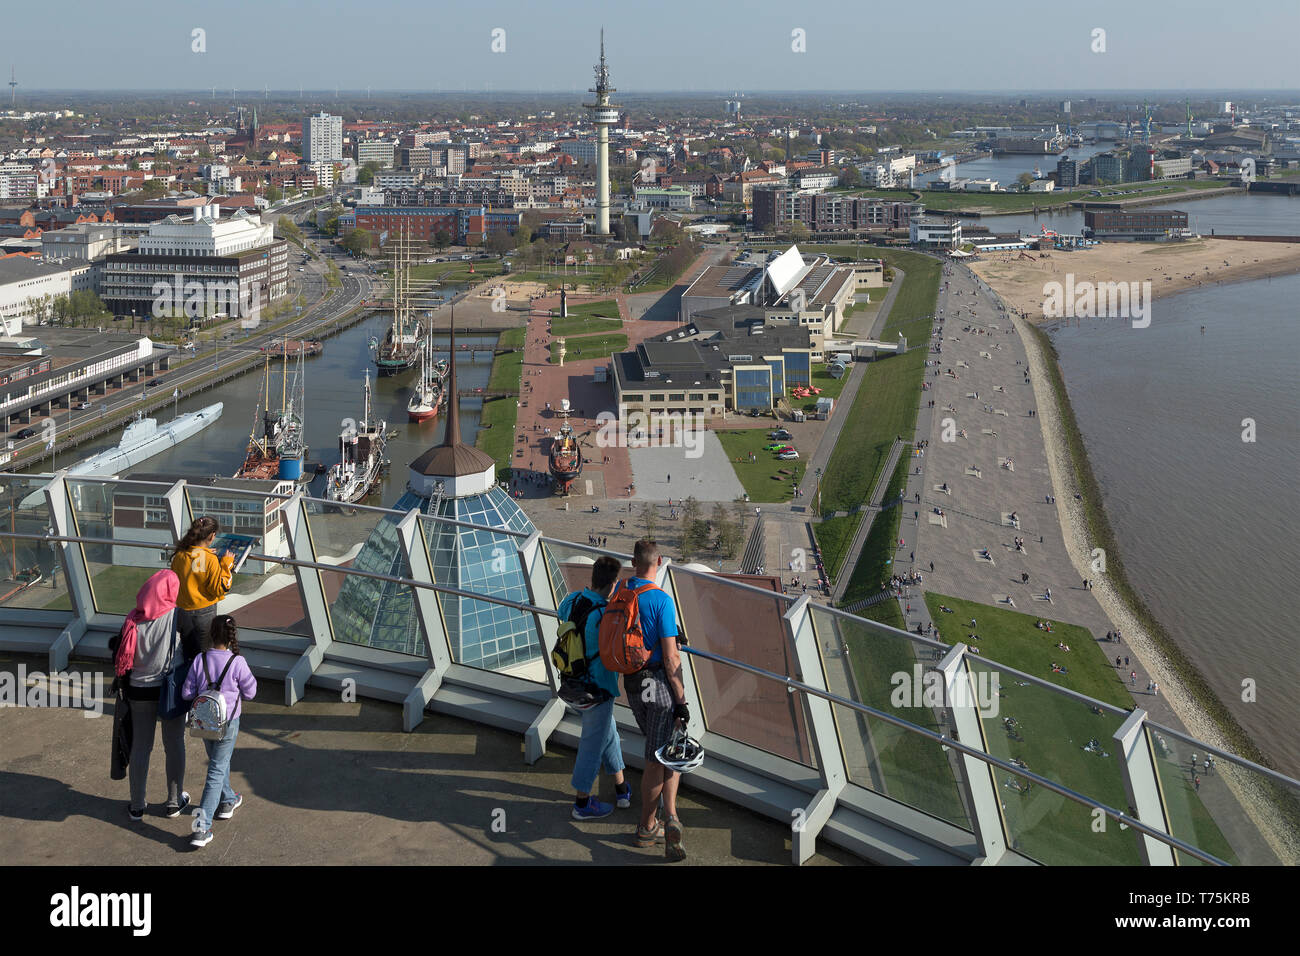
875,563
499,439
890,393
834,535
114,588
512,338
507,371
909,767
762,479
589,346
454,272
1051,733
574,325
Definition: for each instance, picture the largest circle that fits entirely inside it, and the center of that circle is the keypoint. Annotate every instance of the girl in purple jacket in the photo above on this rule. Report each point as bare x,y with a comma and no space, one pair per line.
220,801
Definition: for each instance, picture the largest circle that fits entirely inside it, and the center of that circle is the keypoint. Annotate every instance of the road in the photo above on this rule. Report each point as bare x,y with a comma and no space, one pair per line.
233,347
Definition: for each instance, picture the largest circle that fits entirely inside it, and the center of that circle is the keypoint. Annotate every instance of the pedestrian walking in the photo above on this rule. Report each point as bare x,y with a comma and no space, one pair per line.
1155,689
931,567
224,670
1132,678
1198,784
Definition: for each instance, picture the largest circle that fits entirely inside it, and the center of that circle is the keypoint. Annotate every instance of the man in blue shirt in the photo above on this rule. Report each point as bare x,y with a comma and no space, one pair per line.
600,742
658,700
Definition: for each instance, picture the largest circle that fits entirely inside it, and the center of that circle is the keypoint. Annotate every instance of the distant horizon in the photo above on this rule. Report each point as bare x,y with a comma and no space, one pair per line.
833,46
724,93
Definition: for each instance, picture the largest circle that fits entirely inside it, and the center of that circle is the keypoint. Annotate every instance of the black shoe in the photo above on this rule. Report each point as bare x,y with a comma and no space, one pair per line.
176,809
135,814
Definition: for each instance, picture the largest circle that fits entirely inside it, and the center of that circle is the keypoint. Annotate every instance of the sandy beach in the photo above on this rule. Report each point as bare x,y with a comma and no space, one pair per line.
1170,267
1073,521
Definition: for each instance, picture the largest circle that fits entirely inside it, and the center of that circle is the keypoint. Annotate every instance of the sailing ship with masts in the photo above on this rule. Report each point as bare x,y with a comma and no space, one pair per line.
404,341
361,456
280,449
565,457
429,393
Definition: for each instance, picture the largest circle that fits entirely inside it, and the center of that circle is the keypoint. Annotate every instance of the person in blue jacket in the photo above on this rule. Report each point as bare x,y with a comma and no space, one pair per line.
600,743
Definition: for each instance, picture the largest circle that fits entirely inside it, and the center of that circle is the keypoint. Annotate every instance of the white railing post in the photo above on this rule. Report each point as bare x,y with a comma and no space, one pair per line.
428,610
178,510
809,821
696,725
532,564
1142,786
70,553
978,779
311,591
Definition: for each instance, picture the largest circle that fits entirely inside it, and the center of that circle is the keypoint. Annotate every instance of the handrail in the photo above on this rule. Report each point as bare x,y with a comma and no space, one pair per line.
296,563
791,684
943,739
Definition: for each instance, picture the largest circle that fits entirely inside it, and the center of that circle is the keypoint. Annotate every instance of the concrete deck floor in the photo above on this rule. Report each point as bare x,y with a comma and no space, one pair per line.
329,783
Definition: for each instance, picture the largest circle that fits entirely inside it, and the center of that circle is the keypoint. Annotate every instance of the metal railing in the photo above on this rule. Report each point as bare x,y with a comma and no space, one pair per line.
1148,814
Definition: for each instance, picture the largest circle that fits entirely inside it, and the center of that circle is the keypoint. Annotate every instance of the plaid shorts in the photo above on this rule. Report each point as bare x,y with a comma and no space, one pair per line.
653,715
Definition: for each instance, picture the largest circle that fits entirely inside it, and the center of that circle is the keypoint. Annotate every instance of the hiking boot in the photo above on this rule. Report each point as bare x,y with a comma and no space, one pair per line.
176,809
592,811
648,838
227,810
673,848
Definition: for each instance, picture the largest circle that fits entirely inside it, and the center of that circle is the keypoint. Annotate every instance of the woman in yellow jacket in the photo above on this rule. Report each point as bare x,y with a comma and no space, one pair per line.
205,580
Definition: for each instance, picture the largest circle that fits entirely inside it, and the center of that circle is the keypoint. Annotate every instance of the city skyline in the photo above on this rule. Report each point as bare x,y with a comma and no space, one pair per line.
508,47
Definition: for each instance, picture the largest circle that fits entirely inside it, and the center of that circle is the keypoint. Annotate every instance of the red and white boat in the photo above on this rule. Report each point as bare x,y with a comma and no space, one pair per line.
429,393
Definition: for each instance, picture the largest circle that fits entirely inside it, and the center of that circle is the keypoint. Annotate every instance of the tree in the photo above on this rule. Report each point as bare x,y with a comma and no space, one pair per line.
286,228
366,174
849,176
153,188
649,519
798,232
357,241
274,193
1025,179
727,530
442,238
1157,172
694,530
499,242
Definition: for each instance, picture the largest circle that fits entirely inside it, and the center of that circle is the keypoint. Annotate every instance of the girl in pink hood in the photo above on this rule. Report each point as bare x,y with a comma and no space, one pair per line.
150,650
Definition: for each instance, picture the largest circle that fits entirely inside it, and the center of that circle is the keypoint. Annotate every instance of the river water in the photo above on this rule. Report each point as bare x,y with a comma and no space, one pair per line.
333,393
1006,169
1247,214
1206,522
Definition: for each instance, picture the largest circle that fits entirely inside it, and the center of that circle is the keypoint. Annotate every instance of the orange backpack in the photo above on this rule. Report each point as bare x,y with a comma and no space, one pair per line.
622,642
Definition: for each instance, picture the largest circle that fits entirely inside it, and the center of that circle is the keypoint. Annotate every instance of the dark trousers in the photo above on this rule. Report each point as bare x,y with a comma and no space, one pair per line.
193,627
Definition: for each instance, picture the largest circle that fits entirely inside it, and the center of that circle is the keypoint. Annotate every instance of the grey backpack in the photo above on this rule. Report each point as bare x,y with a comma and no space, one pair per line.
209,718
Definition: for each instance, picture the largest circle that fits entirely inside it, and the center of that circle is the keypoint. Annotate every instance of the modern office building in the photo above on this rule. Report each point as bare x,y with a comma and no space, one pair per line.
830,212
935,234
1140,224
236,259
376,151
29,286
464,223
322,138
664,197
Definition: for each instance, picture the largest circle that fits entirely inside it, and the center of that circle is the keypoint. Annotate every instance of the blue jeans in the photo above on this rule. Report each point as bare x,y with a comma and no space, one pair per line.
217,788
599,745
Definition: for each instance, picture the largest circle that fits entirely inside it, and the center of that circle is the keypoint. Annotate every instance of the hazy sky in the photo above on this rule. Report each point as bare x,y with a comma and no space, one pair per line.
664,45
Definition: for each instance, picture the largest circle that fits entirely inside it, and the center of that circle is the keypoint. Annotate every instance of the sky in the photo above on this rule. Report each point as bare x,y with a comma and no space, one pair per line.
667,45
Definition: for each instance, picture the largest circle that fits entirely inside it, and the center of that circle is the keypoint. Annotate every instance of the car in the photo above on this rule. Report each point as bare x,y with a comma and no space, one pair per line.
84,405
24,433
780,435
790,455
153,382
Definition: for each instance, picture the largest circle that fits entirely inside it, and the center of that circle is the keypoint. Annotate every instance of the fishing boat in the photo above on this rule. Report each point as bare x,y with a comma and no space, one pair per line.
429,393
404,341
565,457
361,457
279,450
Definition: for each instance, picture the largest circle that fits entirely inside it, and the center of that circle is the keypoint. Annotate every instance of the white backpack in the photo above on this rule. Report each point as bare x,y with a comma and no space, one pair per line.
208,717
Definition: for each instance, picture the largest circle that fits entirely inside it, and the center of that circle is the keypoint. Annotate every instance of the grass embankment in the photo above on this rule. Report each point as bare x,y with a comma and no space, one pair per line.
496,434
589,346
762,478
1100,535
875,562
454,272
590,318
1051,731
884,407
908,767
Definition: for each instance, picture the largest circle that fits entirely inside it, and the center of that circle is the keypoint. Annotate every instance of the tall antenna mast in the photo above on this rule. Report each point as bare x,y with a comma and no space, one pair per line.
13,86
